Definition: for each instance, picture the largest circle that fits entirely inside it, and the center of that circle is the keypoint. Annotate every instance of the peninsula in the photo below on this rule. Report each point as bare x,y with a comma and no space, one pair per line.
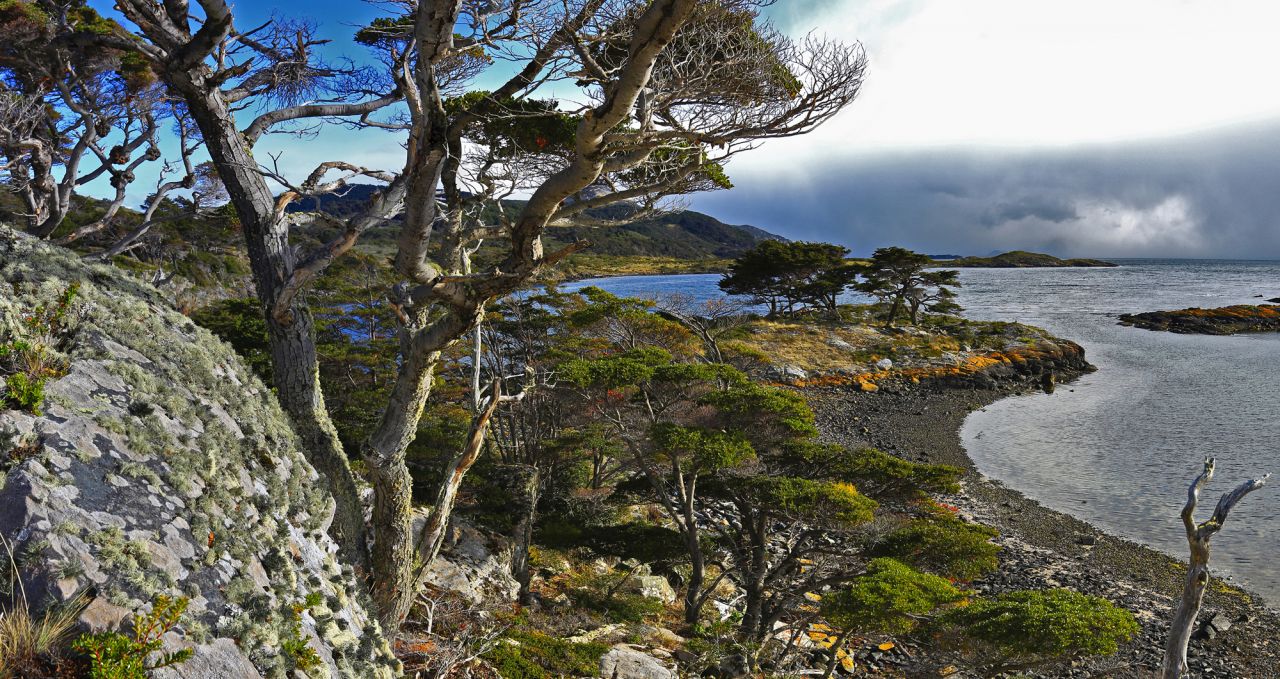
1021,259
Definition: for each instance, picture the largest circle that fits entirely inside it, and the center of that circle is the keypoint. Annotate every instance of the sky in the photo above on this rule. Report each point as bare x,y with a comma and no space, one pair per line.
1083,128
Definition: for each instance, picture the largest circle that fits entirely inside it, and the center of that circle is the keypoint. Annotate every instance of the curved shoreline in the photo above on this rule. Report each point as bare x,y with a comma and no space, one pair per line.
1042,547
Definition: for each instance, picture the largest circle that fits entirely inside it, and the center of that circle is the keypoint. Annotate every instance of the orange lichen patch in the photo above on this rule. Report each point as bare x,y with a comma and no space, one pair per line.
972,364
1236,311
819,633
825,637
886,646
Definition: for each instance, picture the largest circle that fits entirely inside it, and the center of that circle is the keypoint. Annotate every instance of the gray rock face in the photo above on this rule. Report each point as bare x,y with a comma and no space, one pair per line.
624,661
160,465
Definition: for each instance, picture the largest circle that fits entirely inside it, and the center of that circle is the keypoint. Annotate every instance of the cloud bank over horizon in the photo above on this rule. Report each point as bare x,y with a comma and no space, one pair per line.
1203,195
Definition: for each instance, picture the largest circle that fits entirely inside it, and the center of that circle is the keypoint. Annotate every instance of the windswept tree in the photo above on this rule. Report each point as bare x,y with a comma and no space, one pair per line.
651,100
901,279
74,111
783,275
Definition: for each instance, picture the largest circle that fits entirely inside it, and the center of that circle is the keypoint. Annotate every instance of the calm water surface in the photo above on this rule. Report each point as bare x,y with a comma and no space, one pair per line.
1118,447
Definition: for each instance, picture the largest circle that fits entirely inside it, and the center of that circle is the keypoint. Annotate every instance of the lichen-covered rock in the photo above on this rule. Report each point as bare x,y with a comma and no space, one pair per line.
1227,320
625,661
651,586
160,465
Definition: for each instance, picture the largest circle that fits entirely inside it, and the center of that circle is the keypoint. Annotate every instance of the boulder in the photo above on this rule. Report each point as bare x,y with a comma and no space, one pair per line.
472,564
159,464
788,372
625,661
651,586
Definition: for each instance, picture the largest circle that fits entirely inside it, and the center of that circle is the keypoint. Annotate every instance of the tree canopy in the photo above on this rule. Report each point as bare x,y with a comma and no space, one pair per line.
901,279
785,274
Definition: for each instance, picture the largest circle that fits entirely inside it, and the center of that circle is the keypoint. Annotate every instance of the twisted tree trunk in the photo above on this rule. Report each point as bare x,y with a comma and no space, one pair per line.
1198,536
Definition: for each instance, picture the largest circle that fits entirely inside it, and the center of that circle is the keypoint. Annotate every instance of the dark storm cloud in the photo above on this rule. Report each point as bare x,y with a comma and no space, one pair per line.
1208,195
1030,208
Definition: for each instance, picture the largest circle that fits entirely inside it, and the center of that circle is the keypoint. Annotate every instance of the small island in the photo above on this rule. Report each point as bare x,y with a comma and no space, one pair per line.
1021,259
1227,320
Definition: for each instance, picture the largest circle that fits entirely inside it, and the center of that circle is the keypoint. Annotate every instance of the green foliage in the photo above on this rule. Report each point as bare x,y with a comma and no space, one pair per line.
115,656
614,372
520,127
806,499
944,545
884,475
1045,624
901,281
533,655
24,392
785,274
888,598
300,654
707,451
763,413
31,350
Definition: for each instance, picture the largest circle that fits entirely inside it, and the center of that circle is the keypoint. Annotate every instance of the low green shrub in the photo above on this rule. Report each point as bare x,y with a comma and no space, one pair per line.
943,545
31,350
533,655
890,597
881,475
1048,624
113,655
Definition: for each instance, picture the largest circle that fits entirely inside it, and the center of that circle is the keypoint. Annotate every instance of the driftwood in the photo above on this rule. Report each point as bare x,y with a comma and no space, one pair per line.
1198,536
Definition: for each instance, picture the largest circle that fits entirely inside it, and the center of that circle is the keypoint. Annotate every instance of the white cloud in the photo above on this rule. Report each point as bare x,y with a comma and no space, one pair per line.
1114,227
1035,73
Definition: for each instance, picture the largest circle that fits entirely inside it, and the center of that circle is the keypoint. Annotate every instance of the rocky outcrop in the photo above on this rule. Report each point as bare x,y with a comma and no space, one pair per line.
159,465
1227,320
1039,364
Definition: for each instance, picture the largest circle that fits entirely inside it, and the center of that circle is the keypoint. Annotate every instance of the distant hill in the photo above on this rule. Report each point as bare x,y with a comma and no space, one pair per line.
1019,259
681,234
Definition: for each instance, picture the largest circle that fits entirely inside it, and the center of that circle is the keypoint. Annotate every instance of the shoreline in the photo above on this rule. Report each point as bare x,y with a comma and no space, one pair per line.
1043,548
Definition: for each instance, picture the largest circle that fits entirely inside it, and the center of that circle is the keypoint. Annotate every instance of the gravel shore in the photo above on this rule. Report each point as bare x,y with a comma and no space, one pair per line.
1042,548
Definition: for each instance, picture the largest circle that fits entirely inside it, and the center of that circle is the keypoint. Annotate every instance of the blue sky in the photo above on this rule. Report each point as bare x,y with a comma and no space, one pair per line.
1086,128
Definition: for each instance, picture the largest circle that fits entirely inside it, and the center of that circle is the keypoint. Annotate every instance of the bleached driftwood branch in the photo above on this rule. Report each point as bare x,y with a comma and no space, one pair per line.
1198,536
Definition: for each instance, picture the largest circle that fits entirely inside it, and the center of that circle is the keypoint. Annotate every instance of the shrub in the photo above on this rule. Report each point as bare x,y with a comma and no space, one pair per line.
534,655
31,350
888,598
113,655
944,545
883,475
1043,625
